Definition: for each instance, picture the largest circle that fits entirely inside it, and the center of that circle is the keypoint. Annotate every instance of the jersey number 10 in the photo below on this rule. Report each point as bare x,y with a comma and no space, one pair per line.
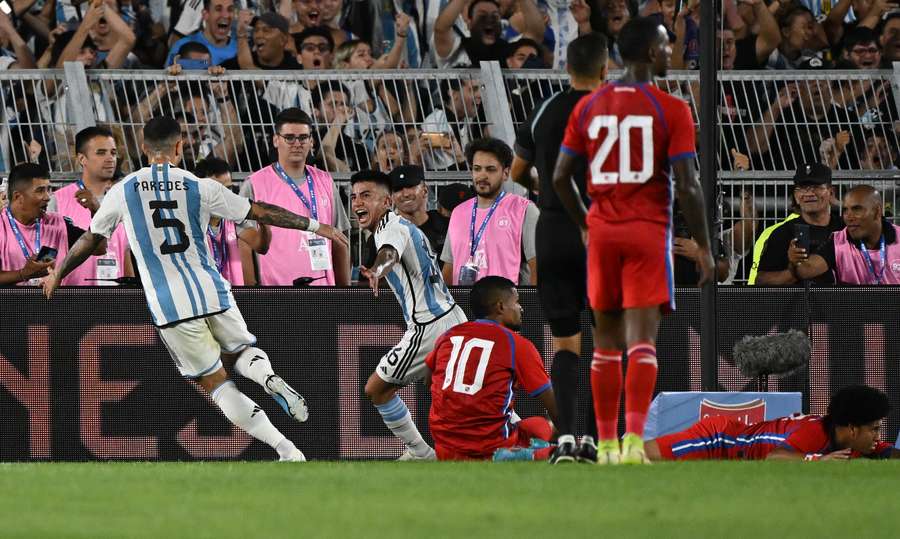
182,243
621,131
459,358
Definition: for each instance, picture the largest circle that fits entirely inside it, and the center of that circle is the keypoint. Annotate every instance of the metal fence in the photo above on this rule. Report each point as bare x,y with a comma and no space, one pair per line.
378,119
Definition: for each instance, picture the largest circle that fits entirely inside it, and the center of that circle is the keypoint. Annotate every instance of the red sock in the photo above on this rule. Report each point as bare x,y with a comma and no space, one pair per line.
606,386
639,384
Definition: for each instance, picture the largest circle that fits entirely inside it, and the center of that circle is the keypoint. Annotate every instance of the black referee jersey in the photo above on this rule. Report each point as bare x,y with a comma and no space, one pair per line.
539,139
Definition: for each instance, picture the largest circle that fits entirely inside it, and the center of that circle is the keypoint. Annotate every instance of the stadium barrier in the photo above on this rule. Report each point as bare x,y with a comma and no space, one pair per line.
85,377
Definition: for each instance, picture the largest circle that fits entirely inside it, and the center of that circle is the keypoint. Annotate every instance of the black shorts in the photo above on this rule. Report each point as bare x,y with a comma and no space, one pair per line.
562,272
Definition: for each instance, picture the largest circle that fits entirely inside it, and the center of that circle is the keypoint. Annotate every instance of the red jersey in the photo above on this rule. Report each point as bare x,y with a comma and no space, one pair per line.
725,438
631,134
475,368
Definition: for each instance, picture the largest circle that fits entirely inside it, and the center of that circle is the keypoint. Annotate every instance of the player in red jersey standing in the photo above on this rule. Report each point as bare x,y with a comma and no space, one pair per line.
475,368
632,134
850,429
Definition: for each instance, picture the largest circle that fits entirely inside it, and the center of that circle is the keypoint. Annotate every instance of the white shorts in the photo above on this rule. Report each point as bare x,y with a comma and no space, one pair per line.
196,345
406,361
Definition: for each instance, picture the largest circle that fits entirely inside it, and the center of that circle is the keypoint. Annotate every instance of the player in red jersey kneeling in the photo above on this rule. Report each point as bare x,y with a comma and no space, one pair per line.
475,368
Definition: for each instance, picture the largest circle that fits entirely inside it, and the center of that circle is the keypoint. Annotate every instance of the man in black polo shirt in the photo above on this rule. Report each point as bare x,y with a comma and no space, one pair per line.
813,195
410,195
561,258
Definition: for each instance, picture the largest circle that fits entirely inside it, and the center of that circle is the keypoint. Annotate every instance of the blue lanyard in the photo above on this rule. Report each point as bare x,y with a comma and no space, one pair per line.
475,239
18,234
311,203
868,258
219,246
80,183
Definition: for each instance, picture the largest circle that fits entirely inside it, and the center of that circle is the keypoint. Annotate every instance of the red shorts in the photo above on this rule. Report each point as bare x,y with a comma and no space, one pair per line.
701,441
629,265
526,429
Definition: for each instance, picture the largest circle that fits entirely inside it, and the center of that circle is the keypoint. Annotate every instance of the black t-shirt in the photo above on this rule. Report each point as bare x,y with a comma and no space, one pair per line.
826,250
539,139
798,137
288,62
745,53
354,154
774,257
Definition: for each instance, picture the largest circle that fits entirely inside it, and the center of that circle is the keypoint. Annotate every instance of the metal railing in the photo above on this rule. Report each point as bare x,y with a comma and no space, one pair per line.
378,119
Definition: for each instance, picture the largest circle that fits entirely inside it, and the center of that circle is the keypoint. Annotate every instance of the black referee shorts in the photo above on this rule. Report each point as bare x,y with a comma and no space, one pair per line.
562,272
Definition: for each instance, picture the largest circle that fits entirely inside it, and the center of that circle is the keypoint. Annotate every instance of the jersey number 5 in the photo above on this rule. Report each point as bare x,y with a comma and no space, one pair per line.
159,221
459,358
621,131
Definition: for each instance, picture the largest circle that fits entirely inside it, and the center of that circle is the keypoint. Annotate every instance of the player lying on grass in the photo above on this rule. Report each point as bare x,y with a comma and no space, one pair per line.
475,368
849,430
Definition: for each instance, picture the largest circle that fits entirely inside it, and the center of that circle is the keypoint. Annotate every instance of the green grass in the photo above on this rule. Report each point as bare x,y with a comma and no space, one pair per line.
386,499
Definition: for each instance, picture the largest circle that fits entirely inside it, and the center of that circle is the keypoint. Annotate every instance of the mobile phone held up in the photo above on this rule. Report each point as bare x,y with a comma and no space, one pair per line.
189,64
801,233
47,254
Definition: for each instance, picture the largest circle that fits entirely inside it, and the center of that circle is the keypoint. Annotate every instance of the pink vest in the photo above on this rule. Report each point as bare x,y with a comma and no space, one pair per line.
116,246
53,234
851,268
500,250
288,258
224,246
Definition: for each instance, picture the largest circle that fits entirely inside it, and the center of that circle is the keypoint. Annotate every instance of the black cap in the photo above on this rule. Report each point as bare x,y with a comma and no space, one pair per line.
406,176
452,195
274,20
812,174
814,63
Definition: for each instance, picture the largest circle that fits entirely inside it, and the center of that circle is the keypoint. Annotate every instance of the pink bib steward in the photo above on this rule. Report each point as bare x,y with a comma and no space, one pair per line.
288,257
851,268
116,245
53,234
500,250
223,245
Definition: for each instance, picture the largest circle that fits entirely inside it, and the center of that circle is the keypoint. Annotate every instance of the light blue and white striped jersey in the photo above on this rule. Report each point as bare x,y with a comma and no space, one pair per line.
166,212
416,280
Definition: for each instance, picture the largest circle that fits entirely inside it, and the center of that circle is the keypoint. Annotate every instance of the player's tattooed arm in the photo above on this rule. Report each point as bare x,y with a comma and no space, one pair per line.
567,191
270,214
88,244
385,259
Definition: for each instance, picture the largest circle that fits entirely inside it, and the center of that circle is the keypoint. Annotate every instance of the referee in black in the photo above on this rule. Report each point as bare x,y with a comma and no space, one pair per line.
561,256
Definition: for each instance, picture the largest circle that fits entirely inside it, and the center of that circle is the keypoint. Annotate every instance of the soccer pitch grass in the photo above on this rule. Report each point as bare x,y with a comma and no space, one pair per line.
387,499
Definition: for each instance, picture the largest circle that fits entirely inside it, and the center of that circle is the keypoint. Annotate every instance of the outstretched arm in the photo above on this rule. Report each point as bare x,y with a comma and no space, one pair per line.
83,248
385,259
270,214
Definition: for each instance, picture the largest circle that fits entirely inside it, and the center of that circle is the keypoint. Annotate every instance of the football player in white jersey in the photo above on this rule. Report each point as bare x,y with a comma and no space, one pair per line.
406,260
166,211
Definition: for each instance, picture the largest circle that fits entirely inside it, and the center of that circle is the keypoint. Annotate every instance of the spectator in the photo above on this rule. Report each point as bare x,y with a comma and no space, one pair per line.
303,14
331,13
103,23
751,51
524,51
798,26
452,195
864,253
617,14
803,123
813,195
867,14
315,48
686,50
334,119
14,52
567,20
446,131
485,43
889,37
270,36
879,154
410,195
860,49
26,226
292,253
687,253
233,258
79,201
216,34
390,152
494,233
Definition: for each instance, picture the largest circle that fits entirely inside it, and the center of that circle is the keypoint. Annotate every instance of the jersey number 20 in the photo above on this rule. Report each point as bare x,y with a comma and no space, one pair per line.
459,358
182,241
621,131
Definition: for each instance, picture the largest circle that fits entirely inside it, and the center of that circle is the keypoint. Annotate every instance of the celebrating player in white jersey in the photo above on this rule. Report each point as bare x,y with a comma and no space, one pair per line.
406,260
166,211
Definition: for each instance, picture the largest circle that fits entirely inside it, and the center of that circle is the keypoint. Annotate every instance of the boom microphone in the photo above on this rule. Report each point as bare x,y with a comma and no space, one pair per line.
781,353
